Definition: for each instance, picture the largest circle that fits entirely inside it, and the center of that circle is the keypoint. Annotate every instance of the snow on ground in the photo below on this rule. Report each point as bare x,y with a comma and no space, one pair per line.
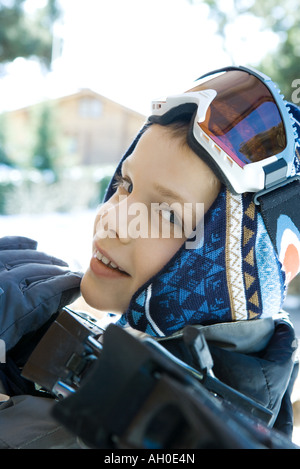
67,236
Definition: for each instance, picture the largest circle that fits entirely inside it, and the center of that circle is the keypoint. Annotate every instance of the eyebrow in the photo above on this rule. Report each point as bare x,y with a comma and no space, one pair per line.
174,197
168,193
161,190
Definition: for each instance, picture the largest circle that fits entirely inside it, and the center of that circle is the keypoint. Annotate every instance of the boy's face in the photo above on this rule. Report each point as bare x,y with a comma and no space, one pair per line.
144,223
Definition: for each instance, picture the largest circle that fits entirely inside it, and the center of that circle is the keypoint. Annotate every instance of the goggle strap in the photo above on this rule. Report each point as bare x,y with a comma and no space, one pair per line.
284,200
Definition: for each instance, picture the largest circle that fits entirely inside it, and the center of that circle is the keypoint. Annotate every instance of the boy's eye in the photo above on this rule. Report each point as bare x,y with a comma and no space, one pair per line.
127,185
170,216
124,183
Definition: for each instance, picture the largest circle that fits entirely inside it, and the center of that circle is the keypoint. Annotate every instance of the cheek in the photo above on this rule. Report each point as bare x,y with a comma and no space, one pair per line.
153,256
97,218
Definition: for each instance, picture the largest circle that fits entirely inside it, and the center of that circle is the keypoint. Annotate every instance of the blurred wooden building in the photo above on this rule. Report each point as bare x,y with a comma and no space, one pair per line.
92,129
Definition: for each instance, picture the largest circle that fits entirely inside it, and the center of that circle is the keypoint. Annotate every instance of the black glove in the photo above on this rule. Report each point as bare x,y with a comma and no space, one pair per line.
33,287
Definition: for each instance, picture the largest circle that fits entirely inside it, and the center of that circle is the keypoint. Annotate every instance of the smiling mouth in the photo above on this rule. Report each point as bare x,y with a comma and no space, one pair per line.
109,263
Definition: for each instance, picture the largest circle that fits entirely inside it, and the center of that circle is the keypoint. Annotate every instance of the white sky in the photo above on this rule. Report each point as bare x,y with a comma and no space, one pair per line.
132,51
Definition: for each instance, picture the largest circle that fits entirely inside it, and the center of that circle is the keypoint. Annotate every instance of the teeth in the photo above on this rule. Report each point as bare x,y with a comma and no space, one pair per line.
99,255
105,261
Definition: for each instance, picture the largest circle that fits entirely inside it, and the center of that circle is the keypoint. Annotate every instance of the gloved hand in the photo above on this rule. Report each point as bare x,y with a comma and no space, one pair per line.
33,287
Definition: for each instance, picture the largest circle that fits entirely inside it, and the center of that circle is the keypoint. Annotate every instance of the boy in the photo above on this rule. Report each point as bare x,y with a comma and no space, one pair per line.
232,282
144,265
161,173
235,270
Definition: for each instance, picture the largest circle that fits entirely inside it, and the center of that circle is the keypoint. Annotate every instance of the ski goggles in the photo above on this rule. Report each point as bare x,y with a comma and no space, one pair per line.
241,127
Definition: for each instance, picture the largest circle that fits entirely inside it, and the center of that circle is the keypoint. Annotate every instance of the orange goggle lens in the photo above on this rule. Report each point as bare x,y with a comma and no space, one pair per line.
243,119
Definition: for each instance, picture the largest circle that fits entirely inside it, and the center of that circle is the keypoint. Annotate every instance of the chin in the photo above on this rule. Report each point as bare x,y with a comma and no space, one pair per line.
88,292
92,295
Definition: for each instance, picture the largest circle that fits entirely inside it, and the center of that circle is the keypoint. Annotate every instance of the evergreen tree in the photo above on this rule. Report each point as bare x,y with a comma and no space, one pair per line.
4,158
23,35
46,148
282,18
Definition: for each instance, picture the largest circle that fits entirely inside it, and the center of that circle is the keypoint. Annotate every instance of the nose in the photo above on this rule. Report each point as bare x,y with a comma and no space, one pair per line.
113,220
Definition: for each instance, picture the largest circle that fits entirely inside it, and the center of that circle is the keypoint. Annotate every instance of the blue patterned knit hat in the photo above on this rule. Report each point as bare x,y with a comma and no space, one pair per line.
235,273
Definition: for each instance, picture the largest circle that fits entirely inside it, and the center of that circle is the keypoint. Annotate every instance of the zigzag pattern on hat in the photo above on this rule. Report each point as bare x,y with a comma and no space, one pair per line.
249,266
234,234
